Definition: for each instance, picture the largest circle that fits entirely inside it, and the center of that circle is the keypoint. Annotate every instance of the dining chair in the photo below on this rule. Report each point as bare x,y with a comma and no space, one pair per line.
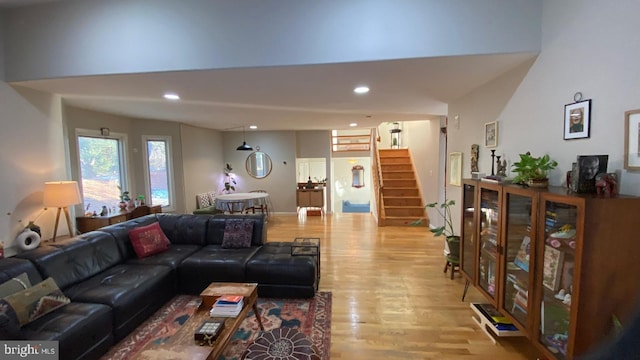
235,207
263,208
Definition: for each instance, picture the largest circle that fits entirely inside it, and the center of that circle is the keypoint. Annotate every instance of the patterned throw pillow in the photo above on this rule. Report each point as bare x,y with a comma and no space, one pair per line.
14,285
237,233
203,200
32,303
148,240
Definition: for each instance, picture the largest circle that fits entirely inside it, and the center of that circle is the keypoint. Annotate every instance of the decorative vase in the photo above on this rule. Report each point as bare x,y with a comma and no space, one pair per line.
538,183
123,205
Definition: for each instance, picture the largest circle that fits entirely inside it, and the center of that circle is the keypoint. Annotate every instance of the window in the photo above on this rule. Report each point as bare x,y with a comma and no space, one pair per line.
158,174
102,169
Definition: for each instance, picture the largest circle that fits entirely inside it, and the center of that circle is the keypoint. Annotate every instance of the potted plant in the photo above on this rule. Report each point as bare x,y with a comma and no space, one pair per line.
124,198
444,210
231,181
532,171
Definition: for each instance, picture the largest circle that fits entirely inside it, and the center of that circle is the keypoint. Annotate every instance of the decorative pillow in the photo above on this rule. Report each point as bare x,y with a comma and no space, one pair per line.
14,285
34,302
203,200
237,233
148,240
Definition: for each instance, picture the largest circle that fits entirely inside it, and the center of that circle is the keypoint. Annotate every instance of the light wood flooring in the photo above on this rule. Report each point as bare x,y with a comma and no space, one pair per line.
391,299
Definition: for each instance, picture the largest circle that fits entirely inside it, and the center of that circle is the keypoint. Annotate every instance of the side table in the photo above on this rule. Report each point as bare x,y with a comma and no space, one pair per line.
308,247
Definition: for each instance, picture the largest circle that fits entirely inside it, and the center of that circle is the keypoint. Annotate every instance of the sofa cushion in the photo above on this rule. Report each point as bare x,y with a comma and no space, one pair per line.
34,302
279,274
132,291
14,285
120,232
172,257
83,330
148,240
237,233
184,229
213,263
216,226
71,261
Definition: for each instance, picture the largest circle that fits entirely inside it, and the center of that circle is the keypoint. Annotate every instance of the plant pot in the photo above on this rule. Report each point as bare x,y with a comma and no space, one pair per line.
538,183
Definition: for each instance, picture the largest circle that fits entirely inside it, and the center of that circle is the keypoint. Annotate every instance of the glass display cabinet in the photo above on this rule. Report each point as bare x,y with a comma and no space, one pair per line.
468,233
489,222
586,266
520,206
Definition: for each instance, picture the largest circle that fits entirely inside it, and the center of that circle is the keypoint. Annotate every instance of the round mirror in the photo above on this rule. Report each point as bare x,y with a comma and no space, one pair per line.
258,164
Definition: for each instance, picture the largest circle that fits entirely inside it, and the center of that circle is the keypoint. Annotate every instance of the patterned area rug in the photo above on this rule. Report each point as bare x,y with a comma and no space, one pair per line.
310,316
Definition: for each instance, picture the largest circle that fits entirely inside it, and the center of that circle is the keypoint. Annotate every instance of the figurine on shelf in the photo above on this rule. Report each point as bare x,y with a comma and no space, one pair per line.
475,149
502,167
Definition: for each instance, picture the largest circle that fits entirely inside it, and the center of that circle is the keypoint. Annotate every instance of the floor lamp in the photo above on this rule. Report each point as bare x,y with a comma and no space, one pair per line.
61,194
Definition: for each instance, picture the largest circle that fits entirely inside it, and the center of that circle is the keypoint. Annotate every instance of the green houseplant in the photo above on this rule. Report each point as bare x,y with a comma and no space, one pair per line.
229,185
532,170
444,210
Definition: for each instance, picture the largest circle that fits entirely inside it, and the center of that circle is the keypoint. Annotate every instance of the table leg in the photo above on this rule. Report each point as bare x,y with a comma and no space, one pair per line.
258,316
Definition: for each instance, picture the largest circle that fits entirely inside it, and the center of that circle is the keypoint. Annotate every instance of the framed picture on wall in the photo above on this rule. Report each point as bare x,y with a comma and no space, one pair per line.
632,140
455,168
491,134
577,120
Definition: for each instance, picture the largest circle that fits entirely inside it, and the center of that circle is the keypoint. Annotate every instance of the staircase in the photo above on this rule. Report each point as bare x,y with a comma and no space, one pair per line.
401,196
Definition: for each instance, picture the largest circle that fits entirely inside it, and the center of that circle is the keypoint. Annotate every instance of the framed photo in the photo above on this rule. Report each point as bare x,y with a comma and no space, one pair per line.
552,266
588,167
632,140
577,120
455,168
491,134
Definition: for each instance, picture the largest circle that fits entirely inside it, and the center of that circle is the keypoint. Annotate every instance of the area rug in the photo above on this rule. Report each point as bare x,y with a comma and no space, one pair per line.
311,316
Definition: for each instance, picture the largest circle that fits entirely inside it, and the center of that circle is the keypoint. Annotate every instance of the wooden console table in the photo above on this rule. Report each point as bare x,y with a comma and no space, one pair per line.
90,223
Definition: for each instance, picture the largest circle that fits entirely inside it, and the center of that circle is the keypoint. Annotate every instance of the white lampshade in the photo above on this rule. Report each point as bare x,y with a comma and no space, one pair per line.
61,194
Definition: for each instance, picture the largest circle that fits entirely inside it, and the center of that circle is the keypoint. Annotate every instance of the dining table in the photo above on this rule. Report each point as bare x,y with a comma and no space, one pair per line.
239,202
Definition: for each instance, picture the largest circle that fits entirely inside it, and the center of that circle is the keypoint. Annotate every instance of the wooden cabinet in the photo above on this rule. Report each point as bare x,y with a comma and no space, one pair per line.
518,239
560,266
310,198
86,223
586,268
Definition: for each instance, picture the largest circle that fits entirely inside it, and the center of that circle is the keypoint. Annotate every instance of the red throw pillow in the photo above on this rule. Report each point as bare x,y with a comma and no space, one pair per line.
237,233
148,240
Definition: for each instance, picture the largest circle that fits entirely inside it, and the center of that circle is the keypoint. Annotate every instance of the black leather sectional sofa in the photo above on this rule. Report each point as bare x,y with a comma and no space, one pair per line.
112,291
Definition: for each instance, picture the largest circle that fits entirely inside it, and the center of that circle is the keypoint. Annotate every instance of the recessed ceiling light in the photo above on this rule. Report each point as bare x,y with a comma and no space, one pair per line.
253,127
361,90
353,124
171,96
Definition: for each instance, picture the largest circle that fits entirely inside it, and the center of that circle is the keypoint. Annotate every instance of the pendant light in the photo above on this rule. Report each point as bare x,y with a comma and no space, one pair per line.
244,146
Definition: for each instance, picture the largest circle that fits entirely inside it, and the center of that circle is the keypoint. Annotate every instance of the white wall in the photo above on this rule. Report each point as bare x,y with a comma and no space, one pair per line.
342,178
203,160
281,183
129,36
32,152
587,46
423,140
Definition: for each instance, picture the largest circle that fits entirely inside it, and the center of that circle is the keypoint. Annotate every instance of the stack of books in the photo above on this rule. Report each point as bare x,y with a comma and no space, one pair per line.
494,316
227,306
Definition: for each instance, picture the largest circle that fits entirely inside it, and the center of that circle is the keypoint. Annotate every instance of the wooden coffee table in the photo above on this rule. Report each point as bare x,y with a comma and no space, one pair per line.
183,340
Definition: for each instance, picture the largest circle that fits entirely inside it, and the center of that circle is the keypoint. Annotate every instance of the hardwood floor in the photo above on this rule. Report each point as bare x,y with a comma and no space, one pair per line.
391,299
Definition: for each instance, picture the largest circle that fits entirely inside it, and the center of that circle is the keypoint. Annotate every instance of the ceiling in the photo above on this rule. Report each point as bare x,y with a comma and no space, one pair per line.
306,97
303,97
